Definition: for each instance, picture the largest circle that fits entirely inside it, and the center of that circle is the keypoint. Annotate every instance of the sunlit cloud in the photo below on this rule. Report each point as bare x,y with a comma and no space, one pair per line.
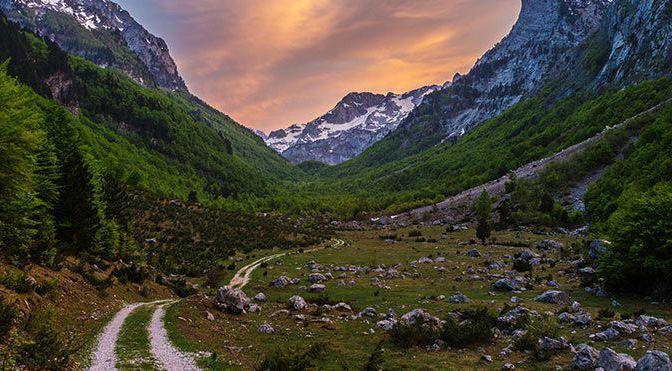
271,63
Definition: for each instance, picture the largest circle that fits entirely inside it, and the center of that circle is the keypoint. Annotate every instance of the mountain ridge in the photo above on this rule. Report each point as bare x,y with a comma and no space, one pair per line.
357,121
102,32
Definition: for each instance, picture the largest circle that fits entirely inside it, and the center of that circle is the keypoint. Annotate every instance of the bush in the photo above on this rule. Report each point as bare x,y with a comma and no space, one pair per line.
522,265
537,328
410,335
290,361
7,316
606,313
46,350
17,281
476,329
414,233
640,256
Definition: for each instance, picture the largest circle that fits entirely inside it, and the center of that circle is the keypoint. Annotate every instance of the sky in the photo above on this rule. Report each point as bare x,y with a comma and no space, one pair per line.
272,63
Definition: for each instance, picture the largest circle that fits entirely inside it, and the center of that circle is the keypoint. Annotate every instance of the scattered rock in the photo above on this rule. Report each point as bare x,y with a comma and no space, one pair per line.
265,328
209,316
597,249
473,253
554,297
232,300
624,327
297,303
612,361
367,312
317,277
582,319
506,284
586,357
317,287
528,255
650,321
654,360
282,281
549,245
486,358
458,298
260,297
550,345
421,316
386,324
606,335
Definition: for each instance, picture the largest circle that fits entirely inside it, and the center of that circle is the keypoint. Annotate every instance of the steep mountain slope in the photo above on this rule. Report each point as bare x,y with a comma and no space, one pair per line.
613,56
354,124
170,143
542,38
102,32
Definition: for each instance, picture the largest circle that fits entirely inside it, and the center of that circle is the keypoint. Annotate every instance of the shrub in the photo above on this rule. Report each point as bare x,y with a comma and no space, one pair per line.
46,350
476,329
639,258
17,281
606,313
47,287
7,316
376,360
290,361
414,233
522,265
410,335
537,328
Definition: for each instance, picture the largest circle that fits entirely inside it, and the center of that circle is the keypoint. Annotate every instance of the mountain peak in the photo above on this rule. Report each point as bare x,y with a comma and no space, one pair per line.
108,30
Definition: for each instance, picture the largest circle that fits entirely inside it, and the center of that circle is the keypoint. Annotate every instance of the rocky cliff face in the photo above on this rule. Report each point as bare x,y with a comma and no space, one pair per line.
354,124
101,31
638,35
546,31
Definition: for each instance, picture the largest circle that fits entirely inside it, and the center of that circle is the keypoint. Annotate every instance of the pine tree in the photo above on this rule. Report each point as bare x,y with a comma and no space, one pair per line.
483,210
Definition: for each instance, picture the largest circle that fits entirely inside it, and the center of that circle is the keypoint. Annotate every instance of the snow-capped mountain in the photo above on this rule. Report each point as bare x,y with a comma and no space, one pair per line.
354,124
102,32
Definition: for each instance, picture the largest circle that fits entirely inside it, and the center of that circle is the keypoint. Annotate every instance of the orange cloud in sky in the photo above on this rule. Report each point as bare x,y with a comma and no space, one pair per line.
272,63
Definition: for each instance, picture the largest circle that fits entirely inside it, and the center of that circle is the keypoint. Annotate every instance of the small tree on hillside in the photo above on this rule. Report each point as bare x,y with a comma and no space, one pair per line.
483,210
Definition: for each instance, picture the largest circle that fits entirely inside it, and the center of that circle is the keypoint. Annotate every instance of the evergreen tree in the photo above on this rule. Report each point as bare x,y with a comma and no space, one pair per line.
483,210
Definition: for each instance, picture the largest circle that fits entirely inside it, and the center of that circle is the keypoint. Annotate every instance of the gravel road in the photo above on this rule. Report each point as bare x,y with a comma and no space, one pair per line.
104,358
168,356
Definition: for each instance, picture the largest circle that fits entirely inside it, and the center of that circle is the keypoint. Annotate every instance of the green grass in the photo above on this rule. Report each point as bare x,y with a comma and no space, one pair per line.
349,341
133,347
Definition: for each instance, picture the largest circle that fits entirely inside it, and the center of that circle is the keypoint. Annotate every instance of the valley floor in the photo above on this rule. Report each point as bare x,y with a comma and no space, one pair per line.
364,277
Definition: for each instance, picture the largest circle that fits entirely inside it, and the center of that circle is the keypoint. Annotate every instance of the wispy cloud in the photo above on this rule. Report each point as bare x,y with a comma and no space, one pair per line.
271,63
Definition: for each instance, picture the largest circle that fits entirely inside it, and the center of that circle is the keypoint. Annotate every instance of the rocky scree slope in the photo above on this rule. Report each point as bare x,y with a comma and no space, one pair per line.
354,124
102,32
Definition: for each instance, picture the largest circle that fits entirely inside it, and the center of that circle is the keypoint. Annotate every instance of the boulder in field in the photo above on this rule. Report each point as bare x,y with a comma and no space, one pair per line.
297,303
654,360
232,300
554,297
610,360
586,357
549,245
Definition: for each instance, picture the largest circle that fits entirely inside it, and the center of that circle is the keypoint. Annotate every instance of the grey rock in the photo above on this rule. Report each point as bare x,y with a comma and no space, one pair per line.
597,249
550,345
317,278
649,321
554,297
265,328
386,324
317,287
528,254
232,300
624,327
473,253
282,281
260,297
654,360
297,303
458,298
582,319
421,316
368,312
612,361
549,245
506,284
586,357
609,334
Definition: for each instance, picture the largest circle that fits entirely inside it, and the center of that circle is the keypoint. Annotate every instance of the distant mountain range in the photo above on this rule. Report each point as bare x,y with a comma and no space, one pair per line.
355,123
102,32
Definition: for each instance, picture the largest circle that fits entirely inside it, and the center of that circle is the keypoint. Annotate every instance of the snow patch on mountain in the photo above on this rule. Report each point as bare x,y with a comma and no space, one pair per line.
358,120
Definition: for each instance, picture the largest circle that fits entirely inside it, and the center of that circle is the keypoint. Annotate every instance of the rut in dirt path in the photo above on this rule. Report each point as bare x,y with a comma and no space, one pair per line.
242,277
169,357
